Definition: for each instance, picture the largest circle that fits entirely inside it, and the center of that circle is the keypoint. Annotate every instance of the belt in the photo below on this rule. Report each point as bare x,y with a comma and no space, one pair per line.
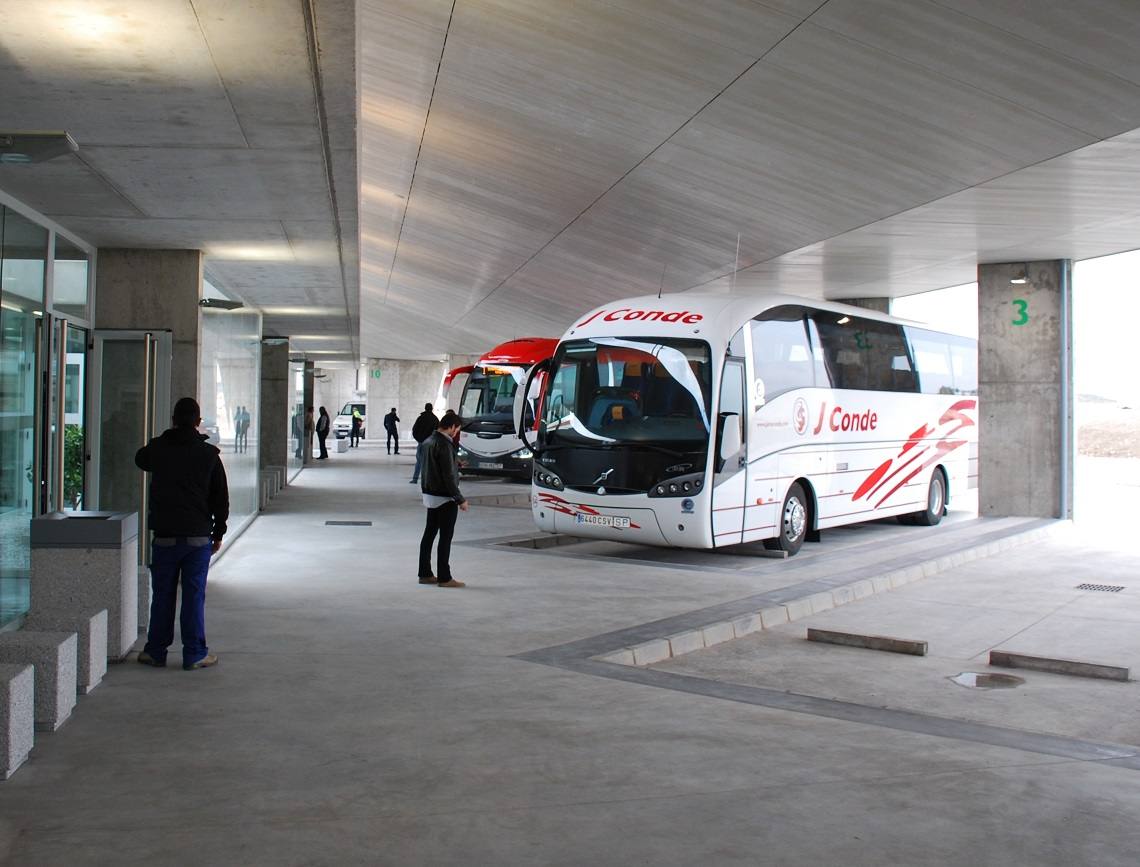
171,541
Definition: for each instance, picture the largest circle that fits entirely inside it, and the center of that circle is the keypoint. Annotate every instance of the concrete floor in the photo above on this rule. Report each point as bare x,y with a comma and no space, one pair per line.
359,718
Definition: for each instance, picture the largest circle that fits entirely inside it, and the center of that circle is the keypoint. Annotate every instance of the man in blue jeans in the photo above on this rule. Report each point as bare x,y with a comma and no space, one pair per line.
189,505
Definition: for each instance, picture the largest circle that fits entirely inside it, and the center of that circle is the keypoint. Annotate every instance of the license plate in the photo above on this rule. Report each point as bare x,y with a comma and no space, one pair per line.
488,466
618,522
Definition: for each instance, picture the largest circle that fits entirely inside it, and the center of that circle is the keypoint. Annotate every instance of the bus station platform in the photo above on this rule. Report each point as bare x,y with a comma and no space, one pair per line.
357,717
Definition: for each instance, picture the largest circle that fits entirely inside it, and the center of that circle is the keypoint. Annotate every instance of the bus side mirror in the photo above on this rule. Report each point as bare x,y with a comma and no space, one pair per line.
731,439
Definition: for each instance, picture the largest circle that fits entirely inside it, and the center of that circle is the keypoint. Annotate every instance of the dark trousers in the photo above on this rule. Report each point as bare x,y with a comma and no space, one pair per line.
353,437
393,437
321,438
169,563
442,521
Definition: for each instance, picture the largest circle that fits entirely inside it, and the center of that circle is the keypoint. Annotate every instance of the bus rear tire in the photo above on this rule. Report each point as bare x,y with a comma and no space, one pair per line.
794,518
935,501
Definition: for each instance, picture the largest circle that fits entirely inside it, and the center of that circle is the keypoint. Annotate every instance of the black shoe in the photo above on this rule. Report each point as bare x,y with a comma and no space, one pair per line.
428,579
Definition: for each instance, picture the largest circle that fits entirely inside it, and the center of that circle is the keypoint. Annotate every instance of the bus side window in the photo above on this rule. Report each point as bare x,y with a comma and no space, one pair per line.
783,356
932,358
964,359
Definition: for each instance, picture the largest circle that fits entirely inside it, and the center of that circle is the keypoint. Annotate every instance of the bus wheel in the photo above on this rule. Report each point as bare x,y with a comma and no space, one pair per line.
793,522
935,501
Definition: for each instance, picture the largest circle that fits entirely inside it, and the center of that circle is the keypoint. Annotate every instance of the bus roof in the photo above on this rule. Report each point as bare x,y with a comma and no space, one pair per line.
689,314
522,352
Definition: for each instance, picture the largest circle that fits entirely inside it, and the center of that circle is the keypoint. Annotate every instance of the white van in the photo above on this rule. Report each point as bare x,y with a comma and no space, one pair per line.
342,424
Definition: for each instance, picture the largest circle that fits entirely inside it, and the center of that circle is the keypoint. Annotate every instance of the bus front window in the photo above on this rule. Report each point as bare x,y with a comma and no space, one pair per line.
488,400
617,390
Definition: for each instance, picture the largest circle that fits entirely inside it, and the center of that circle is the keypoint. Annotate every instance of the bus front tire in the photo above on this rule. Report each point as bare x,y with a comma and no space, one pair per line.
794,519
935,503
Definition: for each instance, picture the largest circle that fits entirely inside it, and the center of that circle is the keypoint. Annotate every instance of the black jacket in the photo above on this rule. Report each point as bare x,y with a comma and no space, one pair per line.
424,425
390,421
439,474
188,491
323,424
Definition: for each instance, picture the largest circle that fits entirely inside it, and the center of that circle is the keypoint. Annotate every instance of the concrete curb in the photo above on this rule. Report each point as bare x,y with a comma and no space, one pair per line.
665,647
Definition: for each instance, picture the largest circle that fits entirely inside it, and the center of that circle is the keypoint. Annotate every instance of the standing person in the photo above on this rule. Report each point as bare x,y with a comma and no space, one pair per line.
422,428
296,427
309,428
390,422
189,506
245,417
443,500
323,425
357,426
237,429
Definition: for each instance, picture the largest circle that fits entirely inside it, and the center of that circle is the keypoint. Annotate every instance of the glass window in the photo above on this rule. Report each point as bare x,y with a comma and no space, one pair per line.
70,279
74,390
229,392
23,257
865,353
946,364
964,359
610,390
782,355
488,402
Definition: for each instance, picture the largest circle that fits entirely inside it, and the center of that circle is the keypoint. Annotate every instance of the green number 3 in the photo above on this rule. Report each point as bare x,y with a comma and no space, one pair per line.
861,341
1022,311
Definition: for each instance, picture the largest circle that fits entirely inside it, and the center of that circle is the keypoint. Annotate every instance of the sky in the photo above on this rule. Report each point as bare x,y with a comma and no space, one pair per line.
1106,311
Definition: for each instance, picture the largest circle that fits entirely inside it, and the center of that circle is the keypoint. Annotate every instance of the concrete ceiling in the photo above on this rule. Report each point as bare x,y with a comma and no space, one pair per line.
202,124
522,162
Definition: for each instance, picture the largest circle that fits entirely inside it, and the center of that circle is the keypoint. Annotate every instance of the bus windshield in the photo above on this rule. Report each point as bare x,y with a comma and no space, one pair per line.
609,390
488,401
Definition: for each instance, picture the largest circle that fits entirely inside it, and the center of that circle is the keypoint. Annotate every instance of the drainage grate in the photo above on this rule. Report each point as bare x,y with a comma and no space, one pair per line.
1106,588
348,523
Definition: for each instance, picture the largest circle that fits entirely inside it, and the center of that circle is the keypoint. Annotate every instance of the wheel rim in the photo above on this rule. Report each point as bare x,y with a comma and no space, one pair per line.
935,499
795,518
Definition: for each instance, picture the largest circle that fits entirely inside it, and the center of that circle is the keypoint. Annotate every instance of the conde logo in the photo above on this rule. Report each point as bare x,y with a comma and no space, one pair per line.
626,314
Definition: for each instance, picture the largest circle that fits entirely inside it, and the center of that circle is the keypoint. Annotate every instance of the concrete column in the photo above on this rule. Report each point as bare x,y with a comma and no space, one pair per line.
307,436
275,403
879,305
155,289
1025,393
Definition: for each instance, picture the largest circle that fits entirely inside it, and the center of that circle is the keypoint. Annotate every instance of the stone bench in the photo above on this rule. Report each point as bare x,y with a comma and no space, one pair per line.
53,655
91,631
17,716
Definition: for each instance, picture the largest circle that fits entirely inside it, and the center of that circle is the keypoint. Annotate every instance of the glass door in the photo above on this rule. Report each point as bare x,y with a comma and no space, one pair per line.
129,404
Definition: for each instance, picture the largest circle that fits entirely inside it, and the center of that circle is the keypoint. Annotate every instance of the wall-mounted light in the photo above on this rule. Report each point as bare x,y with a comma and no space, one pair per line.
844,320
220,304
18,148
1019,276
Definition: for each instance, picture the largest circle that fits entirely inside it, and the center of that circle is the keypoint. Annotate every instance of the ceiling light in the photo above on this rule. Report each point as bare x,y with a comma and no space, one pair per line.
302,311
269,252
35,147
1019,276
844,320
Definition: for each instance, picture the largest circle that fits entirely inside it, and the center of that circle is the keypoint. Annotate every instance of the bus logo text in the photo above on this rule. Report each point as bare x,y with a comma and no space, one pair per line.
841,420
625,314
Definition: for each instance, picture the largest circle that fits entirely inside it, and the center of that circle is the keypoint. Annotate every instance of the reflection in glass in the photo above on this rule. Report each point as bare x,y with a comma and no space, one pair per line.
70,279
230,396
296,417
74,425
23,253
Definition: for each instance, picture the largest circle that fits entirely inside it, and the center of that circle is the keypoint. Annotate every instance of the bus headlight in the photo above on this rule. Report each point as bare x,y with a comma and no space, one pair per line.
544,478
523,454
678,486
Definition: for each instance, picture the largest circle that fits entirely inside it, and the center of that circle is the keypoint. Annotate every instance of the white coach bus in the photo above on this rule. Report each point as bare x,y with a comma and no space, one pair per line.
702,421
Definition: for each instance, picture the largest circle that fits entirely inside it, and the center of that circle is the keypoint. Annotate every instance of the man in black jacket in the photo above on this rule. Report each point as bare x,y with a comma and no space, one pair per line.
422,428
440,487
189,505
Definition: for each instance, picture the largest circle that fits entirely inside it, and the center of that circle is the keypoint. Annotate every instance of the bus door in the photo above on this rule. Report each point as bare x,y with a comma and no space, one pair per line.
730,451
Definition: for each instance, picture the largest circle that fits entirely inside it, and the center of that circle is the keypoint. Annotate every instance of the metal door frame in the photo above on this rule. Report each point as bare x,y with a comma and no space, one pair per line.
158,345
